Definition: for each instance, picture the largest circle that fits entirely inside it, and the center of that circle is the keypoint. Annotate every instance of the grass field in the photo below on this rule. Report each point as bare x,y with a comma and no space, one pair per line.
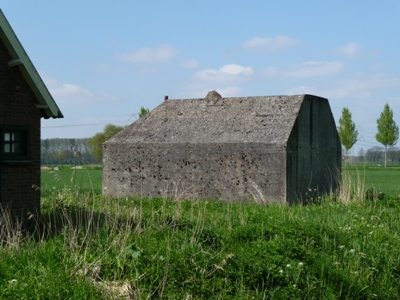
90,179
386,180
91,247
85,180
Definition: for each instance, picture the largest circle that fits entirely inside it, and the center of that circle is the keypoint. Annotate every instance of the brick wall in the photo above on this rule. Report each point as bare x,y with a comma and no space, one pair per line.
19,180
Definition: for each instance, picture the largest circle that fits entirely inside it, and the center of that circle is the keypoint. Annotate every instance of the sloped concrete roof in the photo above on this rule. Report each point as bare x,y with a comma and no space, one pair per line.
21,60
264,119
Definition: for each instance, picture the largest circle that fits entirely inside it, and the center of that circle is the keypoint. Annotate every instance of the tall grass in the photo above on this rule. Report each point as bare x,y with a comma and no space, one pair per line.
352,187
90,247
10,230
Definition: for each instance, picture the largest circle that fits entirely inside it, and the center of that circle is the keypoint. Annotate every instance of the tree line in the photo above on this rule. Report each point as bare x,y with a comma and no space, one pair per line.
77,151
58,151
387,135
376,155
89,150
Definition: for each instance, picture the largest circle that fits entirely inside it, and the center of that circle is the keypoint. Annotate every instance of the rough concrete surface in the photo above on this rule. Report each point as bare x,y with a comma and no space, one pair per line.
264,149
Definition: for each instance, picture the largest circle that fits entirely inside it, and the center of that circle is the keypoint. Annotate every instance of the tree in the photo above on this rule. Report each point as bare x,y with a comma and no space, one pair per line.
374,154
361,155
143,112
45,146
50,149
393,154
96,142
347,131
388,131
62,156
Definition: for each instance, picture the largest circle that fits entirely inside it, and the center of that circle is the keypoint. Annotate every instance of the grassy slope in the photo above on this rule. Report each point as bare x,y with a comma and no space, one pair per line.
205,250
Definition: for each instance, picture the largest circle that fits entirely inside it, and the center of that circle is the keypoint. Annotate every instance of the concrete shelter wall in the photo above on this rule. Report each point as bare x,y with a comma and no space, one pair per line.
314,152
230,172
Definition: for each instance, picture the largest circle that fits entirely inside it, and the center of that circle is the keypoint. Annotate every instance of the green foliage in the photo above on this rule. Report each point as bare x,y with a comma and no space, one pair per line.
165,249
66,151
388,131
92,247
143,112
96,142
40,271
372,194
347,130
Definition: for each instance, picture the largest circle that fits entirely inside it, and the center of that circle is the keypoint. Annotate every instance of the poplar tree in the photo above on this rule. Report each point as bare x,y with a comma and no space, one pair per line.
96,142
348,133
388,131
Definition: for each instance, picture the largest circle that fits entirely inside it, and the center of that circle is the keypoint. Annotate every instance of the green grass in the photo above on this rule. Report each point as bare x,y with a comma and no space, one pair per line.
90,247
386,180
81,180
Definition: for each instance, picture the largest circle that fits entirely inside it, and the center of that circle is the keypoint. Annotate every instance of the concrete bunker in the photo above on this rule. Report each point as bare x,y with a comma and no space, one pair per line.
267,149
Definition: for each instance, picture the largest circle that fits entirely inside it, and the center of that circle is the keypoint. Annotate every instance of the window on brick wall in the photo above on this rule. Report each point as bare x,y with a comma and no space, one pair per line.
14,143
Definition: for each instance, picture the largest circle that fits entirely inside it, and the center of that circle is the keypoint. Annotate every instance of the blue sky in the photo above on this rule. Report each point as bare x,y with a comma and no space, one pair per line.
103,60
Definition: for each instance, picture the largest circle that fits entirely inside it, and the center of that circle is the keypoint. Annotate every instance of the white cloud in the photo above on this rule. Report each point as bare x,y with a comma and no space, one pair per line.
348,50
368,83
354,88
313,69
190,63
227,73
306,70
71,94
69,90
270,44
226,80
229,91
156,54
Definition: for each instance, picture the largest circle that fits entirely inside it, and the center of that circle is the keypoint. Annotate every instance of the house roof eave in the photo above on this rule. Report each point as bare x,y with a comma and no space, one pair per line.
21,60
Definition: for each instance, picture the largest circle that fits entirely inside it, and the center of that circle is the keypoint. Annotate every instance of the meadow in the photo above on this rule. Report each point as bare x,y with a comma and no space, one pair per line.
81,179
386,180
86,246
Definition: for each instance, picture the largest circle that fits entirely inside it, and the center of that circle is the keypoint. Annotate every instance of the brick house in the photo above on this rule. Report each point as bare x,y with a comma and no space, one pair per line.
24,101
283,149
